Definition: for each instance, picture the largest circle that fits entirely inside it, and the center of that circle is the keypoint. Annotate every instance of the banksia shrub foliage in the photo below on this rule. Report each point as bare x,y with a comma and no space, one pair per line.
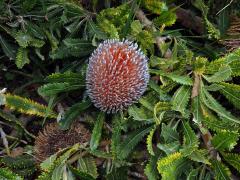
155,83
117,75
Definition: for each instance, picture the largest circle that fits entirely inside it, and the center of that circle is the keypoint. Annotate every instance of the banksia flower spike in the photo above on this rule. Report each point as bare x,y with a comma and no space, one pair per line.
117,75
52,139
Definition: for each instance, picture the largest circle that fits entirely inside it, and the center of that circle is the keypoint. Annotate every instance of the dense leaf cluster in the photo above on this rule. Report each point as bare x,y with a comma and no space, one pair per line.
186,125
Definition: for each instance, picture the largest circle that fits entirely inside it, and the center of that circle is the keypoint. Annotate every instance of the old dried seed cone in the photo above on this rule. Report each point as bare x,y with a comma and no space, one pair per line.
52,139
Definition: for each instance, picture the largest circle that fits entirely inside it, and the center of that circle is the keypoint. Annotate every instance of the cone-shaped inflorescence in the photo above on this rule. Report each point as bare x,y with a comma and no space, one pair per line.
52,139
117,75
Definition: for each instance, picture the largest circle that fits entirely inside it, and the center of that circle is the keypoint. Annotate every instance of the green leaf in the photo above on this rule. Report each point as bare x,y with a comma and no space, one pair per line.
223,74
233,160
118,173
180,99
131,141
181,79
7,174
27,106
166,18
72,113
149,141
88,165
225,140
23,39
212,104
169,134
169,166
190,140
68,77
52,89
116,134
162,94
80,174
8,49
169,148
97,131
22,57
156,6
220,170
231,92
151,168
139,114
46,164
200,155
94,30
216,124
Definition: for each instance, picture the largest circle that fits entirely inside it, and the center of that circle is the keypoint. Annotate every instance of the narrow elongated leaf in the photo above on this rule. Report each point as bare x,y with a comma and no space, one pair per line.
211,103
231,92
88,165
190,140
233,160
67,77
149,141
72,113
180,99
116,134
151,168
220,170
80,174
8,49
52,89
22,57
225,140
27,106
223,74
97,131
131,141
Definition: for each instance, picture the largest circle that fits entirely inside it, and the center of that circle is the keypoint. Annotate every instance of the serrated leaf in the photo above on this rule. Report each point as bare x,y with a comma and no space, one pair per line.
168,166
97,131
151,169
156,6
139,114
131,141
166,18
220,170
23,38
169,134
149,141
22,57
7,174
212,104
215,123
116,134
68,77
27,106
72,113
80,174
225,140
88,165
231,92
233,160
8,49
190,140
46,164
169,148
180,99
52,89
117,173
200,155
223,74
